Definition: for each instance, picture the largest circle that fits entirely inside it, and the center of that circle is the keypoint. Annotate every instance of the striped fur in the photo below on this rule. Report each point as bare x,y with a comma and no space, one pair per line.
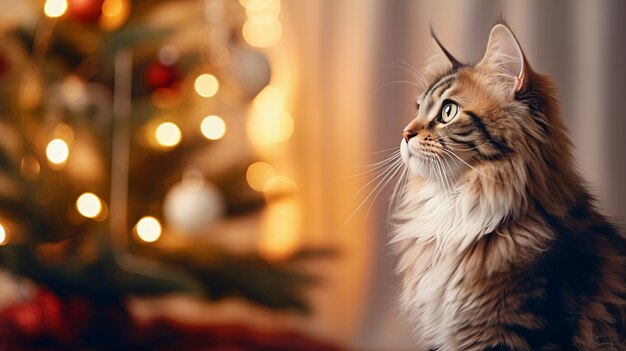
499,245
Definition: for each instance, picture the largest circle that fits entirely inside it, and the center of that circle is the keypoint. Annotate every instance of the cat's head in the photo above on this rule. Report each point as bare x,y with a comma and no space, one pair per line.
472,116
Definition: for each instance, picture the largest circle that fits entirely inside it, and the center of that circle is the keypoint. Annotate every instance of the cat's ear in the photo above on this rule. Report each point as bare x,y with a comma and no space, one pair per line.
505,55
453,61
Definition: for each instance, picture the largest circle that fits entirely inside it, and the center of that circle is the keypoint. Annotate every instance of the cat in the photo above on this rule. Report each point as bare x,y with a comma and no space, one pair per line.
499,245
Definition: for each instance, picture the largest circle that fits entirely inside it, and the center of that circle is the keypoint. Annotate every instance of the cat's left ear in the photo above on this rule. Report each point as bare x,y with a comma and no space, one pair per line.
505,55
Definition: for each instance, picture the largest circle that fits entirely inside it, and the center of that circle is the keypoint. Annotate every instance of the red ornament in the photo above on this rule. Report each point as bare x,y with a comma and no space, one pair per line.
4,64
159,76
88,11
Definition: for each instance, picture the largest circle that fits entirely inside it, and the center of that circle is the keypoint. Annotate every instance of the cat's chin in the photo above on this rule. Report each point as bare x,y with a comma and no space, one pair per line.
416,164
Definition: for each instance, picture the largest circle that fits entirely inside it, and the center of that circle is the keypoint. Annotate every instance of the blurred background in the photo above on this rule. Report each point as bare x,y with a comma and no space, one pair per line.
204,174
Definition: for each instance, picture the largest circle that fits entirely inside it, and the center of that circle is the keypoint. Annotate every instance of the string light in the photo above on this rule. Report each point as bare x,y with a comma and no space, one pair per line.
55,8
260,34
148,229
89,205
254,4
258,174
57,151
206,85
168,134
168,54
264,15
270,101
29,167
114,14
193,180
279,128
213,127
279,237
4,238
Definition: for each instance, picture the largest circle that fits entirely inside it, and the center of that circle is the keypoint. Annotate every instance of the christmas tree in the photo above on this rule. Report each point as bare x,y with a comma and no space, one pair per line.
123,146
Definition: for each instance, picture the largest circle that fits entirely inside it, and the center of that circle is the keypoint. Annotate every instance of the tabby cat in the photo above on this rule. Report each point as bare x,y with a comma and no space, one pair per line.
499,244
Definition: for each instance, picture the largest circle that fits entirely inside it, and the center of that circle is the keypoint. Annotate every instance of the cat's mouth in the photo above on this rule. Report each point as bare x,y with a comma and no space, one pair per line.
428,161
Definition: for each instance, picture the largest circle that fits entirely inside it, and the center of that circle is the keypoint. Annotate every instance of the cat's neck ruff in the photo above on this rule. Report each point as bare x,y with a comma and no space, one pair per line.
455,219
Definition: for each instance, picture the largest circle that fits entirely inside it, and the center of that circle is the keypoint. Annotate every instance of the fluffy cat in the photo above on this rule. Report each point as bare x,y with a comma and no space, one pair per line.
499,245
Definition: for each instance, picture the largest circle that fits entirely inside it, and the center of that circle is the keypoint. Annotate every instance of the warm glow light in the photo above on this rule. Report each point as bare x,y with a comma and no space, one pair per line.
206,85
168,54
279,192
114,13
259,34
213,127
193,180
265,15
57,151
270,101
255,4
258,174
89,205
62,130
29,167
168,134
148,229
279,237
3,236
55,8
279,128
255,131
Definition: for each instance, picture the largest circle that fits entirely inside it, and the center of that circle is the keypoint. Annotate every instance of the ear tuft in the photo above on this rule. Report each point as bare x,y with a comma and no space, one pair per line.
505,55
455,63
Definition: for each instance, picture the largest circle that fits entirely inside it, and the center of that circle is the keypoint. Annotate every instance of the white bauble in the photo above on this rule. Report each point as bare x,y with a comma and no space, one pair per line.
250,69
193,209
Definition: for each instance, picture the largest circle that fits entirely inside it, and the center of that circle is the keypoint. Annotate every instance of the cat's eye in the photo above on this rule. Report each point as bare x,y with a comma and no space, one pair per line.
449,111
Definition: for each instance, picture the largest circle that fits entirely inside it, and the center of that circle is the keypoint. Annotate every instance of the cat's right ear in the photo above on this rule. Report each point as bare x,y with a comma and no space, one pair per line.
453,61
505,55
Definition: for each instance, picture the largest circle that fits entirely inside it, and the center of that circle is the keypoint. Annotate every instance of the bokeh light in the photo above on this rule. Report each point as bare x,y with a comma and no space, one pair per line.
206,85
89,205
148,229
279,128
213,127
168,134
63,131
57,151
270,101
4,237
255,4
259,34
258,174
168,54
279,237
193,180
29,167
55,8
114,14
264,15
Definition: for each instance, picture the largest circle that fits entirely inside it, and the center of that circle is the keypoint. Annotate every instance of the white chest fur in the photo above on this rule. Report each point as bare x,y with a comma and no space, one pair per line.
434,230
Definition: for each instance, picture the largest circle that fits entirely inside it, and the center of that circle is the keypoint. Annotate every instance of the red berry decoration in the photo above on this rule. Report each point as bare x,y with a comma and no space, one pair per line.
88,11
159,75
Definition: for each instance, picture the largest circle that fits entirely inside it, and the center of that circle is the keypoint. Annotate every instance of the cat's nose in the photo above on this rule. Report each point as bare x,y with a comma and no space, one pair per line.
408,134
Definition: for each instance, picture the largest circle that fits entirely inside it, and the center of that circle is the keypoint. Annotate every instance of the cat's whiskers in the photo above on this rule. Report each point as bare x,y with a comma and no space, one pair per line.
451,153
396,193
387,175
375,167
382,174
381,186
416,86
